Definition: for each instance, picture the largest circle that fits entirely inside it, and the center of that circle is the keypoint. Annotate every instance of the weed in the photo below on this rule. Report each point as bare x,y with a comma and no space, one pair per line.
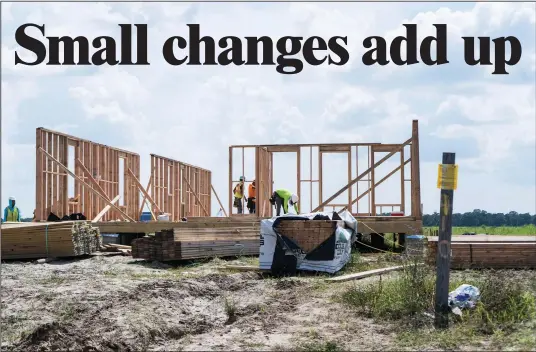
54,279
408,295
328,346
506,307
230,309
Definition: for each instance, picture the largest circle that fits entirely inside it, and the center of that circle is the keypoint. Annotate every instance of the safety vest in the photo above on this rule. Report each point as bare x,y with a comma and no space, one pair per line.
251,191
238,191
12,215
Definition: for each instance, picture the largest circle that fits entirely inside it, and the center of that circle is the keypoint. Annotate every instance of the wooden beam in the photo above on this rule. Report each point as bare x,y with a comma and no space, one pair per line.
144,200
140,187
415,173
334,148
385,148
105,210
365,274
218,199
381,181
87,185
92,179
339,192
444,251
195,195
283,149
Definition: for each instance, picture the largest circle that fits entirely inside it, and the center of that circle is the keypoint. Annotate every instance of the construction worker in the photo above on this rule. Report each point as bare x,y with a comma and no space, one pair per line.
11,212
251,197
284,197
238,192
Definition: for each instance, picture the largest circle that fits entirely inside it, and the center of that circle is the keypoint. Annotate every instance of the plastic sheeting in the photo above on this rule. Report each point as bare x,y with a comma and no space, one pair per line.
330,257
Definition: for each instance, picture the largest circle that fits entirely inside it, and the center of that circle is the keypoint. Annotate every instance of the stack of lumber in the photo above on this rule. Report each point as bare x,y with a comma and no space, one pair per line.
49,240
307,234
200,240
493,252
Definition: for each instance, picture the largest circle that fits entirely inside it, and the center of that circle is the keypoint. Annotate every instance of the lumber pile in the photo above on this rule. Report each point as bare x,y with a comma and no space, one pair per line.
49,240
307,234
195,241
488,254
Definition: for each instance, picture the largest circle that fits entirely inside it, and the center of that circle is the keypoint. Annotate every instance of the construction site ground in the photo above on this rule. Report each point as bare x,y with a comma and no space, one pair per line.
116,302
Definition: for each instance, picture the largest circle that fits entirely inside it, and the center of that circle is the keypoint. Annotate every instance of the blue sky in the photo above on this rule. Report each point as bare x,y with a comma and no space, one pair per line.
193,114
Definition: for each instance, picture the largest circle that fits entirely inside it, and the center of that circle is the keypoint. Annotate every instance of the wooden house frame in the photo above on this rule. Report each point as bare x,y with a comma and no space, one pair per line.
411,222
180,189
97,178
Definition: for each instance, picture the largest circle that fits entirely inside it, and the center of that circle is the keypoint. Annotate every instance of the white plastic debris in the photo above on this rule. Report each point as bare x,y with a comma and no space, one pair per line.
465,296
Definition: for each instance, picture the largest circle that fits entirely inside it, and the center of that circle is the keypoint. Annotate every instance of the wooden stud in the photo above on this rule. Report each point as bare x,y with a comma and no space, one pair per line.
402,183
359,177
298,184
373,184
140,187
321,203
105,210
87,186
415,173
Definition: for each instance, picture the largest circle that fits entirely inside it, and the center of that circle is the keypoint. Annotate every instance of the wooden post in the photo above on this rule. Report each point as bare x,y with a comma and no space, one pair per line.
443,244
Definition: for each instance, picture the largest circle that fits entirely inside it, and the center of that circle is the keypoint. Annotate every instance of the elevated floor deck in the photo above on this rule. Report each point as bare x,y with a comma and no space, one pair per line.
366,225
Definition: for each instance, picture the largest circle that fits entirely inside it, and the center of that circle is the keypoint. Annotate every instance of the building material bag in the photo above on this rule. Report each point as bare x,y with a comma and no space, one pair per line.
283,255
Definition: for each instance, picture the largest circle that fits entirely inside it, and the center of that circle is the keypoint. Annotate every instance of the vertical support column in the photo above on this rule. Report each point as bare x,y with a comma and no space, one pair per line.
38,177
372,184
230,189
298,169
444,249
357,183
402,183
415,173
320,181
311,177
350,178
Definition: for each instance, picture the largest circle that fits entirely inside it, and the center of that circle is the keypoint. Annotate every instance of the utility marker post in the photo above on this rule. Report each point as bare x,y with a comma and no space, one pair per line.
447,181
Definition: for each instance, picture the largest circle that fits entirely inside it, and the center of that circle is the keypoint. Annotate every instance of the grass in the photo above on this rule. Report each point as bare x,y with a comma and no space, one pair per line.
492,230
504,315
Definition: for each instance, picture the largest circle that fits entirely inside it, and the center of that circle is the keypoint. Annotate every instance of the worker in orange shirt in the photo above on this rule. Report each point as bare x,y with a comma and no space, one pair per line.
251,197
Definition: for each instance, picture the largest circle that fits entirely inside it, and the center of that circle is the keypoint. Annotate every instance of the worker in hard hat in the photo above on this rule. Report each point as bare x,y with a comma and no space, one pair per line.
238,192
11,212
283,197
251,197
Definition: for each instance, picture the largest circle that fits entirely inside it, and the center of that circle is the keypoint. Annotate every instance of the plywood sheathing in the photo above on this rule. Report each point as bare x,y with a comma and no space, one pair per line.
264,175
102,161
180,189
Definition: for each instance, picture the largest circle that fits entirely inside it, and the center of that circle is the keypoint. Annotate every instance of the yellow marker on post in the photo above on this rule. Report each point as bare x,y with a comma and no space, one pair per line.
447,176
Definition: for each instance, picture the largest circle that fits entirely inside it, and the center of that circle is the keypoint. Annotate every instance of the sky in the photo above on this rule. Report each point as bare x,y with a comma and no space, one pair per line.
194,113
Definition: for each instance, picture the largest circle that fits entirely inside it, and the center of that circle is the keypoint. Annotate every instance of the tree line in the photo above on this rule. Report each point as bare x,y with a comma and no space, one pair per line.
482,218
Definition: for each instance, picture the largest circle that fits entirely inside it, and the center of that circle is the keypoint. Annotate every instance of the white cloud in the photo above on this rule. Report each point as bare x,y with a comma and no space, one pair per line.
194,113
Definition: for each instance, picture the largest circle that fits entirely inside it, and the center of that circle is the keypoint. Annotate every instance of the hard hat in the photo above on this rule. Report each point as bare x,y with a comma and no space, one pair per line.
294,198
11,198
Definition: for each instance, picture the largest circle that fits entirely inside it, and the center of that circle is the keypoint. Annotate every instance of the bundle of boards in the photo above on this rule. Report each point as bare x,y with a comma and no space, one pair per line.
49,239
199,240
491,251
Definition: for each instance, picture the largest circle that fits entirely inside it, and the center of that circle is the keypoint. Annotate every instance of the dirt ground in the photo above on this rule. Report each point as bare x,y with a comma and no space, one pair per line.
116,302
120,303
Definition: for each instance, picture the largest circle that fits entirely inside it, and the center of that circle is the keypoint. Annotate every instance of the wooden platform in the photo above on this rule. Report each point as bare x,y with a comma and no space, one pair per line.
365,225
